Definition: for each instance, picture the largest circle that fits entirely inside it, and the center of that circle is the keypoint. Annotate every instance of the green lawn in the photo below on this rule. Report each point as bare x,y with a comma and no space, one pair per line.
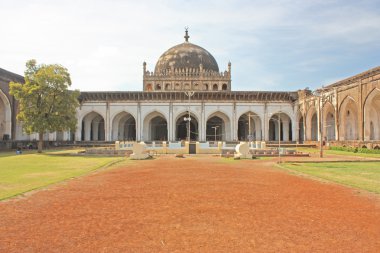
29,171
338,152
362,175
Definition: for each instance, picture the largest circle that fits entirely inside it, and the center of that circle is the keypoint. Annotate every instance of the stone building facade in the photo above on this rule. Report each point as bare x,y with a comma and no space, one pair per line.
151,116
8,107
349,109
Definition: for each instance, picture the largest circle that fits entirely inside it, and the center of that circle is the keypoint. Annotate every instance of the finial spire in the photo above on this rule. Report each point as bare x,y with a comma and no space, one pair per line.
187,34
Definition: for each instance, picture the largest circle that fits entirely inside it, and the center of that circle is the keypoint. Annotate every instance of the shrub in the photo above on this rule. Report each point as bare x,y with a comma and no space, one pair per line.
356,150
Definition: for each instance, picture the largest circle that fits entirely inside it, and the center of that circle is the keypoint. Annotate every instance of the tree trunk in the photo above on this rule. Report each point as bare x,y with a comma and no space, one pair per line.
40,141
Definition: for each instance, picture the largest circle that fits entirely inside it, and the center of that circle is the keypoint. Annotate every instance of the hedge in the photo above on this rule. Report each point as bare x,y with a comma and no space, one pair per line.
356,150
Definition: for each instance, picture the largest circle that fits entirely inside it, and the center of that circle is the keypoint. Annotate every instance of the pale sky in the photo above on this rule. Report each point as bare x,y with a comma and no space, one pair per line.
272,44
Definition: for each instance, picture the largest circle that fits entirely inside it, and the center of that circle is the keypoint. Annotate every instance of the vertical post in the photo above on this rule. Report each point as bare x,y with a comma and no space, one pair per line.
215,127
279,137
188,129
189,94
249,126
321,127
321,99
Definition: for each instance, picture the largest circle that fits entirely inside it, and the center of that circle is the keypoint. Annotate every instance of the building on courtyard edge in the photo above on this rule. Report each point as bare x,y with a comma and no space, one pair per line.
343,113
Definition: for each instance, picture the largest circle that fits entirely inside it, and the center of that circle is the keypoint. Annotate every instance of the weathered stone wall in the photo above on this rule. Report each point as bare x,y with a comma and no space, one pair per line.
353,105
8,105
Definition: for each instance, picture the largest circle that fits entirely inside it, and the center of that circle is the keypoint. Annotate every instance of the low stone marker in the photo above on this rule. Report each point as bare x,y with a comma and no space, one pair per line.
139,151
242,151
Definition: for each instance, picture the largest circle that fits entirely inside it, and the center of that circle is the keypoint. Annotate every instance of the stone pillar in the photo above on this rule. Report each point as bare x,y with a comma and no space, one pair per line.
319,120
202,123
139,125
259,130
234,123
95,130
107,123
295,124
285,130
120,130
115,136
337,132
171,123
304,126
266,123
277,124
360,113
87,130
78,131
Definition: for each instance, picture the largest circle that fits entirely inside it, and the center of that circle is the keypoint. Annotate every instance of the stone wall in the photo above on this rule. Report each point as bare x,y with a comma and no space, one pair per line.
353,107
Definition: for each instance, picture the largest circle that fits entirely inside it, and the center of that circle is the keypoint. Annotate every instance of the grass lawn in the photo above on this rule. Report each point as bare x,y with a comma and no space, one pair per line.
362,175
337,152
29,171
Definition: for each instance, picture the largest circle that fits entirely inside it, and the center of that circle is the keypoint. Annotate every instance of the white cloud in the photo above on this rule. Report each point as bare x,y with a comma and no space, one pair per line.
103,43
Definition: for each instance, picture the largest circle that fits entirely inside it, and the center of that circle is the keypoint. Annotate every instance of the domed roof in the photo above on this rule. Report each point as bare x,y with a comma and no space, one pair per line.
186,55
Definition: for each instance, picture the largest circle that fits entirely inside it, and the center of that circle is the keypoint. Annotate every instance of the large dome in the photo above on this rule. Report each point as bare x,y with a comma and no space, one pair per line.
186,55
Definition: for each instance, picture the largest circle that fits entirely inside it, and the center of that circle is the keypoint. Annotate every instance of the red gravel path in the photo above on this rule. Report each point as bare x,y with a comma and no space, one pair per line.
192,205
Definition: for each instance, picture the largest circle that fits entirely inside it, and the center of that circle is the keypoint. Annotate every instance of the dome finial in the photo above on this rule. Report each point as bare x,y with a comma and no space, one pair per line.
187,34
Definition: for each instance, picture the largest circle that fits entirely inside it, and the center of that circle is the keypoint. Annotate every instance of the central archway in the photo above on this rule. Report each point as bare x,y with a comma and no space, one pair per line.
218,127
182,127
215,130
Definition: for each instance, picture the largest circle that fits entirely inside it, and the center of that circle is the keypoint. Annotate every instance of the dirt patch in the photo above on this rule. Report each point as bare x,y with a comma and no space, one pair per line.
196,204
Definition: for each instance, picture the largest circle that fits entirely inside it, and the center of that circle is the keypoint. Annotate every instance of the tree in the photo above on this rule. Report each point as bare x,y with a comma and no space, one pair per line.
45,102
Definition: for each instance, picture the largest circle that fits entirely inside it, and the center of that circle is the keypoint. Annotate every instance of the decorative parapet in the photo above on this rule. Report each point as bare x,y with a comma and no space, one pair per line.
225,96
186,79
191,72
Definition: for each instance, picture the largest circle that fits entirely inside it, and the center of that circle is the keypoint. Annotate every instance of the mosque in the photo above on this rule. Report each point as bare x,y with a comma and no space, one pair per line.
187,96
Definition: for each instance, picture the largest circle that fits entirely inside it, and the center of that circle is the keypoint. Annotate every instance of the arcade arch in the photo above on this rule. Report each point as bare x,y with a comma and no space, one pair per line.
249,123
348,114
328,122
280,121
181,127
312,124
372,116
218,126
93,128
5,117
155,127
124,127
301,129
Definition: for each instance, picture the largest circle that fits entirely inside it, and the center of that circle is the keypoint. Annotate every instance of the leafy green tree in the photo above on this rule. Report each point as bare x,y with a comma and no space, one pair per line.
45,102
